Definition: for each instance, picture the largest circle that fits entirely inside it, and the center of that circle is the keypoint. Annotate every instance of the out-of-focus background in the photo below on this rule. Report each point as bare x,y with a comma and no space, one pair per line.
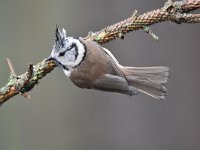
61,116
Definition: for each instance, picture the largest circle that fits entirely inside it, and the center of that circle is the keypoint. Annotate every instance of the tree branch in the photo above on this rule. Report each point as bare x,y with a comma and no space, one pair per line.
177,12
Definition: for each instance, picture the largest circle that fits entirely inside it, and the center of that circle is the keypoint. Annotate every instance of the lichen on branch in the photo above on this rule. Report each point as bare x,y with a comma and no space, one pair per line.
177,12
172,11
25,82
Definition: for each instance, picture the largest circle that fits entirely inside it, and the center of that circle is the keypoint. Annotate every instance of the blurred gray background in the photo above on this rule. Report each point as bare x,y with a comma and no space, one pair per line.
63,117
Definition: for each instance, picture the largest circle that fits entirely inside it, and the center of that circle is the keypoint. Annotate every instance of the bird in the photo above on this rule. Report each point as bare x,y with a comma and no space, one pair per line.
89,65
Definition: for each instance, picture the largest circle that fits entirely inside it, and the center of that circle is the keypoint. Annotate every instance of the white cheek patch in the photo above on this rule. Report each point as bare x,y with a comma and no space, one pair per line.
70,56
81,53
73,56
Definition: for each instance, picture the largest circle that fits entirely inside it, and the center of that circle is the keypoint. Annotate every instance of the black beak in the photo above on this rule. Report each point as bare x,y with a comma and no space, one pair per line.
49,58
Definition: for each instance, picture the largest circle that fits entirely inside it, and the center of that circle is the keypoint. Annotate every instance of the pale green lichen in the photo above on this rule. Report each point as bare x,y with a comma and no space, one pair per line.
18,81
38,73
12,80
100,36
148,30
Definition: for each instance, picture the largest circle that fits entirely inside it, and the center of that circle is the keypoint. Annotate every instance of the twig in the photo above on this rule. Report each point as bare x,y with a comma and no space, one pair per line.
12,70
172,11
29,75
13,76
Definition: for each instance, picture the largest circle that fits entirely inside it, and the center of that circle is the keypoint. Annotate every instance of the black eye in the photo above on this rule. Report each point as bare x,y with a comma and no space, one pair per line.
62,53
69,48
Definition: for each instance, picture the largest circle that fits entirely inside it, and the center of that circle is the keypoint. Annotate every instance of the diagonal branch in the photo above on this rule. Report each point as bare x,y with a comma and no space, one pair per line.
172,11
177,12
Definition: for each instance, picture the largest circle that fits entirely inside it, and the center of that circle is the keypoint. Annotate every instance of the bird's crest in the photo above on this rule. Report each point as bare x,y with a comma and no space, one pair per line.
60,38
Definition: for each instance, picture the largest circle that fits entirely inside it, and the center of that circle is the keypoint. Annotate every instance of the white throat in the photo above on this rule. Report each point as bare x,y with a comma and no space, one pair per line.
67,72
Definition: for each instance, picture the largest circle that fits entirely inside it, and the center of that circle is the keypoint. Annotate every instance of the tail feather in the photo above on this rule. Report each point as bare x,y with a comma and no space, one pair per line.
148,80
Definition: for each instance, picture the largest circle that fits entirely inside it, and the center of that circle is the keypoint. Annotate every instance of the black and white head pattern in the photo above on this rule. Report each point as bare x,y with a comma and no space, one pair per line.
67,51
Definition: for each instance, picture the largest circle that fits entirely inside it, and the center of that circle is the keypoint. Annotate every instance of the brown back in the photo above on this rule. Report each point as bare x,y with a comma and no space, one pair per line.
95,64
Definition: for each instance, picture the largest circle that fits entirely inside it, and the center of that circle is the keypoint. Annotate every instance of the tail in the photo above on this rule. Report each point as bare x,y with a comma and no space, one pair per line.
148,80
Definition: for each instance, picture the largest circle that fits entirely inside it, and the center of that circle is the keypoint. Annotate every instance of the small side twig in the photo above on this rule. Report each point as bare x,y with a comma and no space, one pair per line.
12,70
150,32
14,76
29,76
